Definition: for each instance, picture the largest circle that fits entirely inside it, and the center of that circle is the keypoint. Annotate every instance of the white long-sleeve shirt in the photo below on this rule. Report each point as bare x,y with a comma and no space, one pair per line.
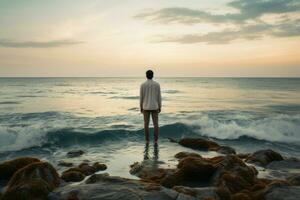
150,95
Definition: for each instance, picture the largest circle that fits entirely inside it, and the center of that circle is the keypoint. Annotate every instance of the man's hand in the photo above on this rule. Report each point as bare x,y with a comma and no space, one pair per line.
142,110
159,110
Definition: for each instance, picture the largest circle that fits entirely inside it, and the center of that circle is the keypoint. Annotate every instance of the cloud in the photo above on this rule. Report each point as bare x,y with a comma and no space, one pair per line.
35,44
246,10
180,15
288,28
247,19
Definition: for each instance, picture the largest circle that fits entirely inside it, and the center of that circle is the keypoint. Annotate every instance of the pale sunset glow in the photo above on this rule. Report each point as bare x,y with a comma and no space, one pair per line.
173,37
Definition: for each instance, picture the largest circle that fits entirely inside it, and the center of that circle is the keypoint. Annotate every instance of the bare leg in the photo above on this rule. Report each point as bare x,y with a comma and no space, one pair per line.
154,116
146,124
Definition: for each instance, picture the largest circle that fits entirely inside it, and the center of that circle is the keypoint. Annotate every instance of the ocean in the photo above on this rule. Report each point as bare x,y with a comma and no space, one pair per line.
47,117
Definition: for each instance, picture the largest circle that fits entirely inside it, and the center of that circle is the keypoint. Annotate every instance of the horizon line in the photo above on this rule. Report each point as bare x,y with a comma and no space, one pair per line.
154,77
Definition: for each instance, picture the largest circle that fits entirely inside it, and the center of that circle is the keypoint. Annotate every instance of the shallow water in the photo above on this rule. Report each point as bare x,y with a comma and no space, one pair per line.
46,117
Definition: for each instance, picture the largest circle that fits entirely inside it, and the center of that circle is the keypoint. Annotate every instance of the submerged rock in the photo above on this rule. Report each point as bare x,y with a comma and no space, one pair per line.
34,181
264,157
199,143
75,153
8,168
72,176
65,164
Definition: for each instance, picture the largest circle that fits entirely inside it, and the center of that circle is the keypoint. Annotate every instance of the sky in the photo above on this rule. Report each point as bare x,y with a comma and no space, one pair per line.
204,38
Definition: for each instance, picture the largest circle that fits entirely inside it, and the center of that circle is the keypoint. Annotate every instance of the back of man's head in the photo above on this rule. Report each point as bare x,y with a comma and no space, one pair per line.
149,74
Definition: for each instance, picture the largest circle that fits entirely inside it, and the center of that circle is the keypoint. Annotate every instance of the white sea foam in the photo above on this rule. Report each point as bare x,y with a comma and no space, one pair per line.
279,128
20,138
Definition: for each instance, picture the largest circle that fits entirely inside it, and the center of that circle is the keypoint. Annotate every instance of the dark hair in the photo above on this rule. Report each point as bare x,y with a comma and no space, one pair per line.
149,74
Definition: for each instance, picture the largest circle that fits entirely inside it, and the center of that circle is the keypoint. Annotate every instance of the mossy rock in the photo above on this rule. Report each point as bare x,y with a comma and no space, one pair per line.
8,168
36,171
28,190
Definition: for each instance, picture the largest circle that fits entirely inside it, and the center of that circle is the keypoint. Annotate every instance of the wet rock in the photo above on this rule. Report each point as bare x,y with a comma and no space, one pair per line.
190,169
99,166
228,172
283,192
264,157
8,168
202,193
116,188
147,171
243,155
75,153
38,170
76,174
241,196
226,150
223,193
206,145
72,176
96,178
195,168
34,181
233,165
34,189
233,183
183,154
294,180
86,169
199,144
185,190
65,164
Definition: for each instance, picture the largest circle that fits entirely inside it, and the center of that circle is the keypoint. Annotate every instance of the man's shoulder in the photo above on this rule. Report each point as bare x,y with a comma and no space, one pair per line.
143,83
156,83
152,82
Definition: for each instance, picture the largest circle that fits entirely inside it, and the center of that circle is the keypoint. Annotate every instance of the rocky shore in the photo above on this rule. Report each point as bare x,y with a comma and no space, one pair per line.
229,176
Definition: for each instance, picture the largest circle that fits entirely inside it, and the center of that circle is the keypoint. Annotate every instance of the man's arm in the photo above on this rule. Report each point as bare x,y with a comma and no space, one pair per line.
159,99
141,98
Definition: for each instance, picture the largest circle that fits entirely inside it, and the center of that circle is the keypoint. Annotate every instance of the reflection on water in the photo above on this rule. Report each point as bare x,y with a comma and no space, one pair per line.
155,156
154,159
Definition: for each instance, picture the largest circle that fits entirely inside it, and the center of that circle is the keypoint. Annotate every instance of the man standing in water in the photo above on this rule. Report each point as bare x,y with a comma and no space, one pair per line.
150,104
